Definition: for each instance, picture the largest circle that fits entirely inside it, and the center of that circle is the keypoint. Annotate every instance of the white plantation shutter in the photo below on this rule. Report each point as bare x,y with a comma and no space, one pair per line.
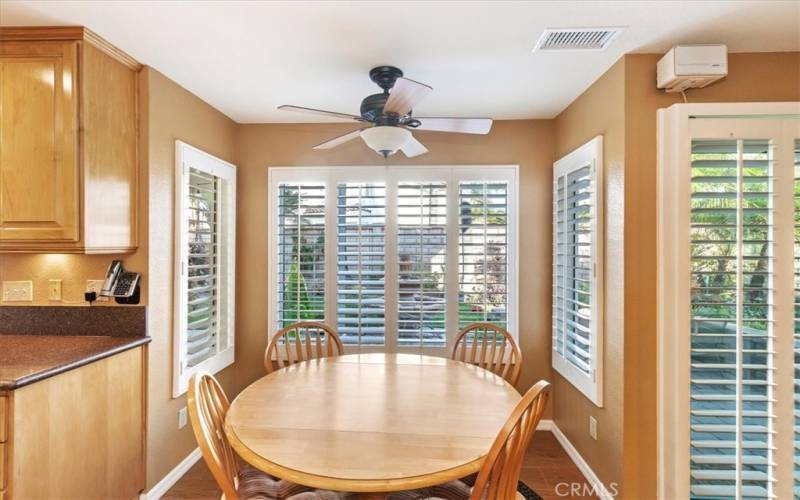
205,222
731,311
361,270
203,257
729,301
483,252
796,335
301,253
421,272
577,287
397,259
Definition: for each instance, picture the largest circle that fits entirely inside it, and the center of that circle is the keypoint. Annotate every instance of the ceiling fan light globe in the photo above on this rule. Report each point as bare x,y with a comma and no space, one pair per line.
386,140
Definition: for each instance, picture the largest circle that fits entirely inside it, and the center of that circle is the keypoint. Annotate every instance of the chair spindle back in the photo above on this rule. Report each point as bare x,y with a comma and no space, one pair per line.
207,406
499,475
301,342
491,347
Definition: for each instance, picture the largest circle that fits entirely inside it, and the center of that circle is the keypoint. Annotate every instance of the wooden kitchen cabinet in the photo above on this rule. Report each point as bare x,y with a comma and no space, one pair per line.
79,434
68,142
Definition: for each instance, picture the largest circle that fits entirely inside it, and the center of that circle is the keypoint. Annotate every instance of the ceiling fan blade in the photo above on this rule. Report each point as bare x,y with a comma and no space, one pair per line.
405,95
322,112
413,148
459,125
332,143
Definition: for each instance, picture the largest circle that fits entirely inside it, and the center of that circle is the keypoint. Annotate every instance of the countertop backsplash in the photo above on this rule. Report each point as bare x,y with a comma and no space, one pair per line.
115,321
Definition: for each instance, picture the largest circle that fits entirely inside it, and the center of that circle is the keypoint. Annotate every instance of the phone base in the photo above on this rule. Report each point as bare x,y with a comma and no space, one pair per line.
133,299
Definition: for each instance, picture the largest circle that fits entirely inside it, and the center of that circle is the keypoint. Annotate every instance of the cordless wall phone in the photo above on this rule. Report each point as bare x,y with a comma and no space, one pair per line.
119,282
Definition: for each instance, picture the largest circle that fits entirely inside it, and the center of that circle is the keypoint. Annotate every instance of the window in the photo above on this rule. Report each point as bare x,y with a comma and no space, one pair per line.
422,263
796,336
397,258
728,285
577,269
731,307
205,222
361,267
301,253
482,258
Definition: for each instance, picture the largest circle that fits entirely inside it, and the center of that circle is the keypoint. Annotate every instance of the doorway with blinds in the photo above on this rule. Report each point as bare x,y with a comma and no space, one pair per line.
396,259
729,301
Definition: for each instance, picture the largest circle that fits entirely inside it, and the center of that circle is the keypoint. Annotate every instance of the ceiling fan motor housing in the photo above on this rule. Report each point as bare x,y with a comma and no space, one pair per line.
372,106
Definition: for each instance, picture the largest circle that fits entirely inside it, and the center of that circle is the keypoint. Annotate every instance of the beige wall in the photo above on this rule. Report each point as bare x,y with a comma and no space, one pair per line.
600,111
170,113
528,143
752,77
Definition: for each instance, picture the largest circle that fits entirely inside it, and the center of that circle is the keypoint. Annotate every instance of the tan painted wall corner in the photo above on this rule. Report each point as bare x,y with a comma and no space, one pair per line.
600,111
171,113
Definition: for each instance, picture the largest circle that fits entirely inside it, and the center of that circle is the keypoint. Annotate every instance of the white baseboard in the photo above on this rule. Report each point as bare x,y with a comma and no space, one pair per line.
168,481
594,482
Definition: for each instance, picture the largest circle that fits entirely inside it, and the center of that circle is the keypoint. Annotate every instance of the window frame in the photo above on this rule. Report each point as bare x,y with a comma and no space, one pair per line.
187,156
391,176
590,385
676,129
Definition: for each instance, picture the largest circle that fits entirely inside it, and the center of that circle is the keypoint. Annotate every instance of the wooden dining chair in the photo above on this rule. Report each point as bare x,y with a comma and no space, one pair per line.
491,347
498,477
208,406
301,342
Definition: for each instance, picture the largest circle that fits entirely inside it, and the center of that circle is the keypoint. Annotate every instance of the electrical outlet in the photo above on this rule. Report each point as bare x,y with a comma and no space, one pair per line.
182,418
18,291
593,427
54,290
95,286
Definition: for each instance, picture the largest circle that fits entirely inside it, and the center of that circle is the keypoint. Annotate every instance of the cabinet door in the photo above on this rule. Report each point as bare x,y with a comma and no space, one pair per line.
39,177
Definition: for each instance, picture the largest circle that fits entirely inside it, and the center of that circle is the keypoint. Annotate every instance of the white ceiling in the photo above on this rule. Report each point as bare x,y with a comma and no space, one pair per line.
247,57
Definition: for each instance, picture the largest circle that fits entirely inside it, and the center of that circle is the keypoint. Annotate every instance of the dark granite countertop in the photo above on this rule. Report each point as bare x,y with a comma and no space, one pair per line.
25,359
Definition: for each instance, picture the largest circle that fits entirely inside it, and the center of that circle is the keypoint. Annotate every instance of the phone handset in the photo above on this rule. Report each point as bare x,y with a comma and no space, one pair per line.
111,277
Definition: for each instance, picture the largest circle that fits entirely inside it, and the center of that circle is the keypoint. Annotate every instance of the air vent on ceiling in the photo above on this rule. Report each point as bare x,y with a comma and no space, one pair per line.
577,38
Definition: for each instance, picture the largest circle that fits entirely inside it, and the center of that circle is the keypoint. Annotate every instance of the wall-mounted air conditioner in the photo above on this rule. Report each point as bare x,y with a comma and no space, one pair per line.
691,66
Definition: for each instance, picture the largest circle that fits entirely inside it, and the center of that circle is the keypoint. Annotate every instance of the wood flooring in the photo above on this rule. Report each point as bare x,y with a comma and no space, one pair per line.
546,469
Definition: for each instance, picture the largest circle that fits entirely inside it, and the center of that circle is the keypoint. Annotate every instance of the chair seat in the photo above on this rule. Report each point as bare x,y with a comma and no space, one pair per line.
454,490
258,485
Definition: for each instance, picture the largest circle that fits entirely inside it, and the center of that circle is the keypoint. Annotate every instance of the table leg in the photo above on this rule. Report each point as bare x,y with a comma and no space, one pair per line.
373,496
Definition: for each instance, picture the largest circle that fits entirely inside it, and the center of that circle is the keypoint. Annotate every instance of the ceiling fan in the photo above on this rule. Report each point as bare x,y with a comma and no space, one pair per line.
389,114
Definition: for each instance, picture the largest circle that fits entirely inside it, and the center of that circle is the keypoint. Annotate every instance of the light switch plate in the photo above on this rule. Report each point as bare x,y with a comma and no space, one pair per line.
54,290
18,291
593,428
182,418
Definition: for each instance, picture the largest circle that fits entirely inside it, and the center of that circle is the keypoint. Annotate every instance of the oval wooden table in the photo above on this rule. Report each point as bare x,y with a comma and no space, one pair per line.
370,423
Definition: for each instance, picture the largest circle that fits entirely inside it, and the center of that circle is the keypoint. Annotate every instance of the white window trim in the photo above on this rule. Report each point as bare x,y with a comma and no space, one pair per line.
590,385
673,352
391,175
185,156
